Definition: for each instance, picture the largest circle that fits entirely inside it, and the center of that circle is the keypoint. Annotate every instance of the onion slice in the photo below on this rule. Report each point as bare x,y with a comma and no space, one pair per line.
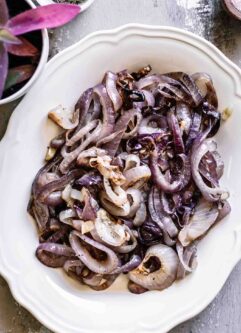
199,149
158,269
78,243
204,217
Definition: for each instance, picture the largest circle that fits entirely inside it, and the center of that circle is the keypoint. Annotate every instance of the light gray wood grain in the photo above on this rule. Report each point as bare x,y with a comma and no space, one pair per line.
207,19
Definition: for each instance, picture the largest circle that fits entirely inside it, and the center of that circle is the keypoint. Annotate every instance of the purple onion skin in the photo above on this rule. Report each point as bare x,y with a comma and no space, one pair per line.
194,130
89,179
58,184
177,136
136,288
53,254
82,107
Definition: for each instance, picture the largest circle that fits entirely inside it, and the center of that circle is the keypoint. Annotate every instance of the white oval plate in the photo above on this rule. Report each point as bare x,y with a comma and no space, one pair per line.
54,299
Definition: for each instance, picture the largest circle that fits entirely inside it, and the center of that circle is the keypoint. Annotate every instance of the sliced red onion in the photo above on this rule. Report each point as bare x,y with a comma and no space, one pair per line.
137,206
57,142
82,107
88,212
188,259
100,282
107,111
208,169
104,266
136,288
134,262
53,255
205,85
89,179
219,164
41,214
141,215
107,170
130,244
111,143
109,231
72,263
166,205
199,149
81,133
149,100
66,216
204,217
74,269
54,199
223,211
176,132
194,129
110,83
46,177
85,156
122,210
161,181
116,194
135,201
90,206
152,81
137,176
158,215
183,113
189,83
131,160
133,126
72,156
37,183
152,124
93,279
158,269
58,184
63,117
58,236
174,90
149,233
145,188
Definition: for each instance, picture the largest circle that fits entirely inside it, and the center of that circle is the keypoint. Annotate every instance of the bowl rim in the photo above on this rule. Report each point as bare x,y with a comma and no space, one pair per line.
9,272
83,6
42,61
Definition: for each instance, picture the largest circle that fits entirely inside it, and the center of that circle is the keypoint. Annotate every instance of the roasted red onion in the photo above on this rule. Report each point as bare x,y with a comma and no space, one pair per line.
158,269
106,260
110,82
54,255
132,183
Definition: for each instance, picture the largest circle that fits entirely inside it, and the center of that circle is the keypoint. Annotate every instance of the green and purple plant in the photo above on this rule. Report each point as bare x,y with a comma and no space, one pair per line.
12,41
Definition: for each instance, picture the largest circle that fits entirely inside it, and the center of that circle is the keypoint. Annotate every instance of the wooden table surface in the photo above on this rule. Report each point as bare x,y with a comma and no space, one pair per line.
204,17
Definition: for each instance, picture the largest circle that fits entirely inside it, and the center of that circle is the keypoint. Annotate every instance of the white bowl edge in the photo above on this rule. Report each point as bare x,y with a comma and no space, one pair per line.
83,6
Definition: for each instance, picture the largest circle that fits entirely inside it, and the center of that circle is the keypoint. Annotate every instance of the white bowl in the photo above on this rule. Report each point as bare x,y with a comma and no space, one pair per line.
57,301
42,62
83,6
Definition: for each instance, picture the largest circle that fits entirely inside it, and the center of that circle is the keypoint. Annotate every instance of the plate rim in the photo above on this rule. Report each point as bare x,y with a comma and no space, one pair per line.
10,274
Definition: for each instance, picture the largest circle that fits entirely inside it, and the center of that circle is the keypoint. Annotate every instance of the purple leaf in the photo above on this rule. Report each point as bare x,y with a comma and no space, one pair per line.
18,74
3,67
7,37
25,49
3,12
49,16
